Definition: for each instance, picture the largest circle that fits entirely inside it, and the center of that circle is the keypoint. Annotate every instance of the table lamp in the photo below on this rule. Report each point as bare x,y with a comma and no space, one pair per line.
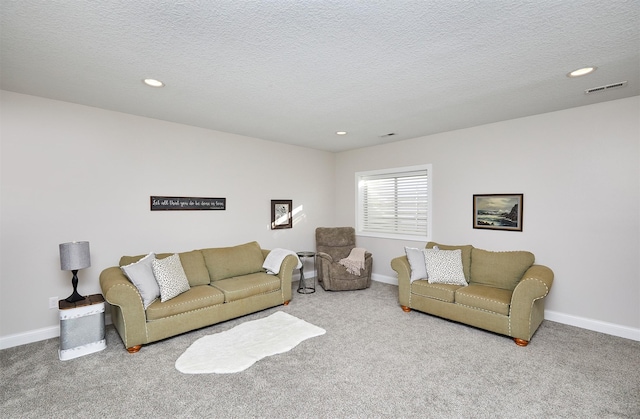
74,256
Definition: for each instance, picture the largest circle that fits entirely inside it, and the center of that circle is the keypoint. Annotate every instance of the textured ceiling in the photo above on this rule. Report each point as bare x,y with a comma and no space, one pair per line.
298,71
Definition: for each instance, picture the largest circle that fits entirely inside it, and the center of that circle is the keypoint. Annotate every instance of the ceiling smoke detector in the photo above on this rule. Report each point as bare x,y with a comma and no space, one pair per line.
607,87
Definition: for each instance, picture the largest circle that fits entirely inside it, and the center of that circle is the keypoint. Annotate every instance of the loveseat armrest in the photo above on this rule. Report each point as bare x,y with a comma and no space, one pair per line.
403,269
129,316
527,306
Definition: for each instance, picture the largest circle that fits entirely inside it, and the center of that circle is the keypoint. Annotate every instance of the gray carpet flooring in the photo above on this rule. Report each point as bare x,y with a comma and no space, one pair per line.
374,361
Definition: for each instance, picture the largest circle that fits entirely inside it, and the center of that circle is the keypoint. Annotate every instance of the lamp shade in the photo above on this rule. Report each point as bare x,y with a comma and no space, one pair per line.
74,256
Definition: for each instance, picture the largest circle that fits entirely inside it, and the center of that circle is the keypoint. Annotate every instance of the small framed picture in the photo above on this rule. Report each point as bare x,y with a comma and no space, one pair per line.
498,212
281,216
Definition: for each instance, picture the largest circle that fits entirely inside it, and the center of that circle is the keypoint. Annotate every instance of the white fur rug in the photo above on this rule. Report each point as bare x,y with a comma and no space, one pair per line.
237,349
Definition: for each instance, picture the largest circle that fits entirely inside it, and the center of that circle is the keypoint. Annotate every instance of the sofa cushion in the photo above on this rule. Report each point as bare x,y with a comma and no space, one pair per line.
482,297
247,285
197,297
442,292
228,262
499,269
192,263
170,276
466,255
444,266
140,273
195,268
417,263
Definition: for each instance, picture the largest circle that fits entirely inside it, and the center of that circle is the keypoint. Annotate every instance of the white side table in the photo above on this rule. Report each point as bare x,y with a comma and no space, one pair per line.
81,327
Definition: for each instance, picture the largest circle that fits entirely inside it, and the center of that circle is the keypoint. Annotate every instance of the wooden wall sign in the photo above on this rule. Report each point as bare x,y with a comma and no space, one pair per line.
179,203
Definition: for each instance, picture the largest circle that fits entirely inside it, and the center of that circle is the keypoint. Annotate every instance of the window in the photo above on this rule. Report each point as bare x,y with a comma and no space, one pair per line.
395,203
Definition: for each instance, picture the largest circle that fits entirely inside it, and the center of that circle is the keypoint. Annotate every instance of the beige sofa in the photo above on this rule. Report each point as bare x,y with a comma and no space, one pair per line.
505,292
224,283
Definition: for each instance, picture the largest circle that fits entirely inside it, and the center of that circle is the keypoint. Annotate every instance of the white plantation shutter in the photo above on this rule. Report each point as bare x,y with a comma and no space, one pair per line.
394,203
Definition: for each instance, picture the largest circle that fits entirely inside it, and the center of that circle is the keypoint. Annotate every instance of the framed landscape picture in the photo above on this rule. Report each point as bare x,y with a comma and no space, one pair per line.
281,213
498,212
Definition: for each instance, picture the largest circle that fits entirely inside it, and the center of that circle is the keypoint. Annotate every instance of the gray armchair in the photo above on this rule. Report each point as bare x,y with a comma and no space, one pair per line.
332,245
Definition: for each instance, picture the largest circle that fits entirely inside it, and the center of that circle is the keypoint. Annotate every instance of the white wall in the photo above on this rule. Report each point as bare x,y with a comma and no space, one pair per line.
73,172
579,172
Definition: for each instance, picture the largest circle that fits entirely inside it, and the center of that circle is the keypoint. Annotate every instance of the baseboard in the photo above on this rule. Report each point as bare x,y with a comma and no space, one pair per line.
386,279
554,316
29,337
35,335
595,325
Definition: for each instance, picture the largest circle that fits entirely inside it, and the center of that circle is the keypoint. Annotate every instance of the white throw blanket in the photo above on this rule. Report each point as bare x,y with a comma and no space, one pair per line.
355,261
274,259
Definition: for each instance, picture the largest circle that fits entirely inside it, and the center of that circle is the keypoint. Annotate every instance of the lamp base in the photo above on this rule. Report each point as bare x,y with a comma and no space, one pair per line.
75,297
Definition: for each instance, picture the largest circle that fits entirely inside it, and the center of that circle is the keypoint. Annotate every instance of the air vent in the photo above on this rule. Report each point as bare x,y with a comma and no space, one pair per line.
607,87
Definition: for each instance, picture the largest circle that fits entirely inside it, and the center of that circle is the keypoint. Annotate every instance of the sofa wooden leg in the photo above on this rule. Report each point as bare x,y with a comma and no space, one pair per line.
286,303
134,349
521,342
406,309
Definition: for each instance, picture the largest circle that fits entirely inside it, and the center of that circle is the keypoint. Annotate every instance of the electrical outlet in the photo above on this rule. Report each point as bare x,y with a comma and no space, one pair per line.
53,302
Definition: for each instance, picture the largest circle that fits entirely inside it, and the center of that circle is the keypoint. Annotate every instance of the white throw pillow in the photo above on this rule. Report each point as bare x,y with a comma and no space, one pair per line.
140,274
170,276
417,263
445,266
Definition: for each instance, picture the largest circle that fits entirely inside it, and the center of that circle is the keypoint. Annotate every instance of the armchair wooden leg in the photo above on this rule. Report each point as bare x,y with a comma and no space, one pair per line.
406,309
521,342
286,303
134,349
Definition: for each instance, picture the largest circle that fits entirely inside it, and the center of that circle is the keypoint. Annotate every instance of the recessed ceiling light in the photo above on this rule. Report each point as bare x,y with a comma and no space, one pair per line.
341,132
153,82
582,71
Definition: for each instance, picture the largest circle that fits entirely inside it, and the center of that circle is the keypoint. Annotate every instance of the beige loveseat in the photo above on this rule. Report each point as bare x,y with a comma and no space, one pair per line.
223,283
504,293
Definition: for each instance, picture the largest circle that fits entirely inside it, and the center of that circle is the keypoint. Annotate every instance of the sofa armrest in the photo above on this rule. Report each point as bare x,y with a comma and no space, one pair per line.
120,292
403,269
286,272
527,308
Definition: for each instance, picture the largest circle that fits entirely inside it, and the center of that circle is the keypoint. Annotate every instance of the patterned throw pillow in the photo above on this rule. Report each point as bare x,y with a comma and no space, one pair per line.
444,266
170,276
140,273
416,261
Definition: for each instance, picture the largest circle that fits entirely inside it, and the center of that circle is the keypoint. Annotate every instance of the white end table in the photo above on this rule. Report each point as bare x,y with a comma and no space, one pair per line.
81,327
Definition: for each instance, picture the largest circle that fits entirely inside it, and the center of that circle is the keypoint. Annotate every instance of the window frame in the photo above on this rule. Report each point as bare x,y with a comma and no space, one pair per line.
394,173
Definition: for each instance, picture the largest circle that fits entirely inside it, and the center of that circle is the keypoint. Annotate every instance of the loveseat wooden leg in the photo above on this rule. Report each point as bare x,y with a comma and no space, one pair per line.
406,309
286,303
521,342
134,349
